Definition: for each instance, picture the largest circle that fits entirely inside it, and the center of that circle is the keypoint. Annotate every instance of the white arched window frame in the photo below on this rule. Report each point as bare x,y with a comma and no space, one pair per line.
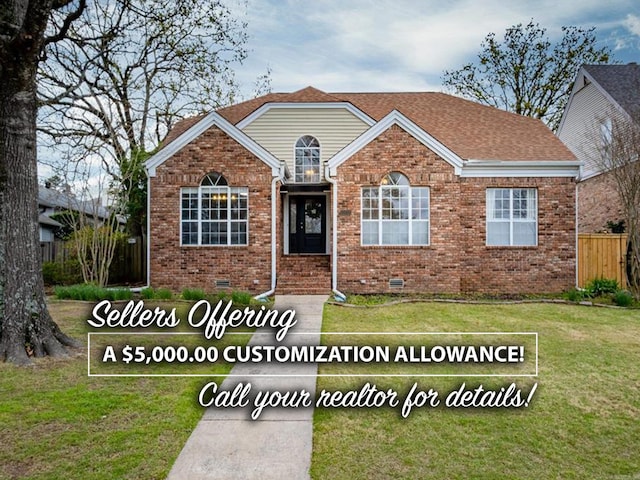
214,213
307,160
395,213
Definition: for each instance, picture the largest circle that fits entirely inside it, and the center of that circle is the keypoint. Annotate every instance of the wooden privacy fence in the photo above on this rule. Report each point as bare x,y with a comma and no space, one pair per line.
129,265
602,255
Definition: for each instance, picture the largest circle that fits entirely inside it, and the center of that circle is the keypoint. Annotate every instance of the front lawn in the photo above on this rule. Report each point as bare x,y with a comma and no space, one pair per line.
59,423
583,422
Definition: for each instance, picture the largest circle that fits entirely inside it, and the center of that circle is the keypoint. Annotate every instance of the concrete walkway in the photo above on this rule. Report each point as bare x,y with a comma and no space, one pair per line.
227,444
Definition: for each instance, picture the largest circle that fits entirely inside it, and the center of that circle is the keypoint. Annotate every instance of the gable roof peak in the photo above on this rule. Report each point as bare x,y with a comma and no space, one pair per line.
309,95
620,82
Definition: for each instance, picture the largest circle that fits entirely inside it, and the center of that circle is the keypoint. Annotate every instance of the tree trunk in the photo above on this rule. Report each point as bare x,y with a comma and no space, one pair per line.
26,327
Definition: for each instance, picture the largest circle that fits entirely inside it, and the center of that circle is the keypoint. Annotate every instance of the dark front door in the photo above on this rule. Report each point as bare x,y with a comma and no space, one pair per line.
307,224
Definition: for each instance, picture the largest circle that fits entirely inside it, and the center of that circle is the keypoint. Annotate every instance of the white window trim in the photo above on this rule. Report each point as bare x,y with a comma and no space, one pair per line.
295,152
511,221
199,220
380,221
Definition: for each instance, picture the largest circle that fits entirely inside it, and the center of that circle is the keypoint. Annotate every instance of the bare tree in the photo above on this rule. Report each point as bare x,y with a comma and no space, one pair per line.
127,71
619,157
25,322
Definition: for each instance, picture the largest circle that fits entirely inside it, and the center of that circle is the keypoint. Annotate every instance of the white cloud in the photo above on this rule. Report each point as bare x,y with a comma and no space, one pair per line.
632,23
394,44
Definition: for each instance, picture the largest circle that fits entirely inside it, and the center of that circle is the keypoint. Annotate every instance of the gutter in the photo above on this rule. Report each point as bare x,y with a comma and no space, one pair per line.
262,297
338,295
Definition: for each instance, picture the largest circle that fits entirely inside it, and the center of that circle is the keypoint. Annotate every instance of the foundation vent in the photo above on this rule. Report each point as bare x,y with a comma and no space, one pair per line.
396,283
223,284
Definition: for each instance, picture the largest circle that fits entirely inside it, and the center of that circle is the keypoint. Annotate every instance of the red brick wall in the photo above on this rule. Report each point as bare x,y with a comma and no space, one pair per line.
177,267
598,204
434,268
545,268
457,259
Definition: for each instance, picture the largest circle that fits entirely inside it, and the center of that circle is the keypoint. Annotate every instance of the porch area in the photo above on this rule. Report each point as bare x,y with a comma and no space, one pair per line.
304,275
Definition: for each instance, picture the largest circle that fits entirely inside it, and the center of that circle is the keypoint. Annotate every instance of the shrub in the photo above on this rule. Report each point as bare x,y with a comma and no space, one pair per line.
241,298
51,273
193,294
164,294
85,292
91,293
601,286
118,294
147,293
575,295
623,298
67,273
150,293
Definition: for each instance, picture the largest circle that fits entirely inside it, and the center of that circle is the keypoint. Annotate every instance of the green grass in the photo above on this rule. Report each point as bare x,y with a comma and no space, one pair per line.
582,423
59,423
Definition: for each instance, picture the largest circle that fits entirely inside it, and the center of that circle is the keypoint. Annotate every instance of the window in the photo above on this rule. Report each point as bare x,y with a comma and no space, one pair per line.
512,215
606,137
307,161
395,213
214,213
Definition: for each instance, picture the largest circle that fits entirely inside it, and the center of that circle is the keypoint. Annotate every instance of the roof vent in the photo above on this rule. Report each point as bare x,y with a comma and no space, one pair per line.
396,283
223,284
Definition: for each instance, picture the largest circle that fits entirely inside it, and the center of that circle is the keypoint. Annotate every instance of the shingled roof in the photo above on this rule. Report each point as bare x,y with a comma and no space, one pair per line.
621,82
471,130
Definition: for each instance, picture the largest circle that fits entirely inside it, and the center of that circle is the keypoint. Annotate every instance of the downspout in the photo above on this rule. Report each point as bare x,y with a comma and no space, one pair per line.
262,297
339,296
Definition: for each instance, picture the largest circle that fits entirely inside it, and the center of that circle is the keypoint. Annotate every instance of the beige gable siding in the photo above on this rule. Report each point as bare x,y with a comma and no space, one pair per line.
278,130
581,129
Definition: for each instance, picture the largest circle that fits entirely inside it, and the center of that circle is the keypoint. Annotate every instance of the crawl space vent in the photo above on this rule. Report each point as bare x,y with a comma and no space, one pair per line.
396,283
223,284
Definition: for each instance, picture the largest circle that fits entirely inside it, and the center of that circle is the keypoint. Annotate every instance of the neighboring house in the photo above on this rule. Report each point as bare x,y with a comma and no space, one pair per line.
601,94
52,201
309,192
48,227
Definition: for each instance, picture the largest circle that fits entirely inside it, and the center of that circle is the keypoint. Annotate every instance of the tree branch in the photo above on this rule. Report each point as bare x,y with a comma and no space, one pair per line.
69,19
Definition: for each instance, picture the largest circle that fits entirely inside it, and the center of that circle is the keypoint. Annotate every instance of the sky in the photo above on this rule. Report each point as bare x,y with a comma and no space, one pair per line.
398,45
406,45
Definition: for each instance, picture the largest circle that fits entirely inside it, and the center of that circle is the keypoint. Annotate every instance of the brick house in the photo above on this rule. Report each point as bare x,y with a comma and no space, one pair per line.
603,96
310,192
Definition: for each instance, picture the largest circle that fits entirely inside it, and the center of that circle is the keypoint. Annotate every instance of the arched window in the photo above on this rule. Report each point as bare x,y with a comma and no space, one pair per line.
395,213
214,213
307,160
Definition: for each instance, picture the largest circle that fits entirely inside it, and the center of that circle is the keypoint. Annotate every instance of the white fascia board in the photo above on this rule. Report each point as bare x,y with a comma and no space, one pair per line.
521,168
214,119
395,118
329,105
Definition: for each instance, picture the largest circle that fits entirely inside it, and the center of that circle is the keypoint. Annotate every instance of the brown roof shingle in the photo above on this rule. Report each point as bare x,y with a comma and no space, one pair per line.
471,130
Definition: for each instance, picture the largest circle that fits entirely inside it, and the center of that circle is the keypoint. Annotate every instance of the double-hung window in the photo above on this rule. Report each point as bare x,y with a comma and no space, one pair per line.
214,213
395,213
512,216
